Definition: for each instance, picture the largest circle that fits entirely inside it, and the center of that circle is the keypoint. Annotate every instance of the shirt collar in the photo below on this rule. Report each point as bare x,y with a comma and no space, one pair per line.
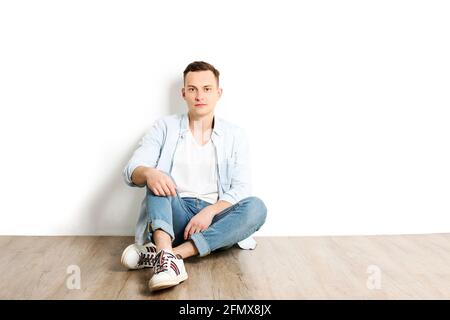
217,124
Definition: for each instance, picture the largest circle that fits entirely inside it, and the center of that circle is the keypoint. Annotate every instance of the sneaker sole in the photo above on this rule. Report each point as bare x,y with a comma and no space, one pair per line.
167,284
125,265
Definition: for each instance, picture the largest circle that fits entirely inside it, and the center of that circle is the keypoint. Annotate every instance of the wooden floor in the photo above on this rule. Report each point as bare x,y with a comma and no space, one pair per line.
341,267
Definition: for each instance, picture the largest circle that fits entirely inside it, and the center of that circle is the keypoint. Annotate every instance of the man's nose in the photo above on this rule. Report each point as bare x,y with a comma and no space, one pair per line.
199,96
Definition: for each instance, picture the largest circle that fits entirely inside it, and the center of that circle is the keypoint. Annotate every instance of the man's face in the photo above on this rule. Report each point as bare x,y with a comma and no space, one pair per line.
201,92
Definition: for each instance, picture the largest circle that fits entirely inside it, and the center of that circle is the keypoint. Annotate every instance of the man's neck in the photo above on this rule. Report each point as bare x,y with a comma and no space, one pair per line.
205,122
201,127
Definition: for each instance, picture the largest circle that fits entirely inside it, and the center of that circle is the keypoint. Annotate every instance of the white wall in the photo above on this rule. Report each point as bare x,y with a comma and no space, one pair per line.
346,104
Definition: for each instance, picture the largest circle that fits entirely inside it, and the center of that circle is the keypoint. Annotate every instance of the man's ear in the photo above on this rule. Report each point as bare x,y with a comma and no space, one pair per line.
182,92
220,92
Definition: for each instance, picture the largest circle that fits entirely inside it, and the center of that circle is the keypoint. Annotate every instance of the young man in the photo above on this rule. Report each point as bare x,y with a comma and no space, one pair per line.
197,176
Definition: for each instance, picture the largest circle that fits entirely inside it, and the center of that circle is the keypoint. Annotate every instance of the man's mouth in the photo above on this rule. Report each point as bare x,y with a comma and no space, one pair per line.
200,105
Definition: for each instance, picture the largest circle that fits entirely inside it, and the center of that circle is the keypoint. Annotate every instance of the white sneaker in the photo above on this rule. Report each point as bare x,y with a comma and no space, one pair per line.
138,257
168,271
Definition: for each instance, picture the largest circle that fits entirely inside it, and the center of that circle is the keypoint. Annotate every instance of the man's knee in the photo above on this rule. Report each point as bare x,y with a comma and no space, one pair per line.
150,192
257,210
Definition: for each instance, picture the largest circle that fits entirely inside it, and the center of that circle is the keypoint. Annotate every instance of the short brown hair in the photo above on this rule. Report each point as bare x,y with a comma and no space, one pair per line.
201,66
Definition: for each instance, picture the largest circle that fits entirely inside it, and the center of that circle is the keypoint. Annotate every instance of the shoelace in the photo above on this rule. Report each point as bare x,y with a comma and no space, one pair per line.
144,258
162,261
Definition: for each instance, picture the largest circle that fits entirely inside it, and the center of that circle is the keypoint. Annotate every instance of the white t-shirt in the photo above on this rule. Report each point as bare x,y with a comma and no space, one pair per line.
194,169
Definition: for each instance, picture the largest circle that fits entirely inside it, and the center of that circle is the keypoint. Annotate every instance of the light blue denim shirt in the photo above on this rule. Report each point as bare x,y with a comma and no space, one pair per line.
157,149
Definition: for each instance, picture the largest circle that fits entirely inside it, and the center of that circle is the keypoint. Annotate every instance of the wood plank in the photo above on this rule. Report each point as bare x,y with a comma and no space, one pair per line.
334,267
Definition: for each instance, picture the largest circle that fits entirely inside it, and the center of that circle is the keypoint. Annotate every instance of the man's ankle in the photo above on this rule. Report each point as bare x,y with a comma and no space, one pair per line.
167,249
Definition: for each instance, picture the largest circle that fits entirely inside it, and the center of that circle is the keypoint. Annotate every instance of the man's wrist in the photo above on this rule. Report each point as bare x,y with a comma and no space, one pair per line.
219,206
148,172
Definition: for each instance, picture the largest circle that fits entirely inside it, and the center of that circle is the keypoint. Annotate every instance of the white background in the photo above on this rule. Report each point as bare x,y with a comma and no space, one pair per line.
346,104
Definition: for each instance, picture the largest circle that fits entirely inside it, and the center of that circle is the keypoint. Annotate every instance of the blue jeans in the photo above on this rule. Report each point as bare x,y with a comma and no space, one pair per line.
233,224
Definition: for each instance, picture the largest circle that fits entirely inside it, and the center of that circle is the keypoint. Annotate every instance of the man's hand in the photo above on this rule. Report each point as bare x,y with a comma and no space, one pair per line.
160,183
201,221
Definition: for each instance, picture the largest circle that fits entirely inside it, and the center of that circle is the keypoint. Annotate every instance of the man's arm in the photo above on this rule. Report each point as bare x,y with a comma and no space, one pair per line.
140,175
146,155
217,207
158,182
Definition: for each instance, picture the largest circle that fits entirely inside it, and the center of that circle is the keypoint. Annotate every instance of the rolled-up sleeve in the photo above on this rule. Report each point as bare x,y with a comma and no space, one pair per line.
147,153
241,184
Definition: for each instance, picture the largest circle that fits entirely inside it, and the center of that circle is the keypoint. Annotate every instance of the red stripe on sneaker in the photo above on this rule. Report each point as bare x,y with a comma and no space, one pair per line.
174,267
